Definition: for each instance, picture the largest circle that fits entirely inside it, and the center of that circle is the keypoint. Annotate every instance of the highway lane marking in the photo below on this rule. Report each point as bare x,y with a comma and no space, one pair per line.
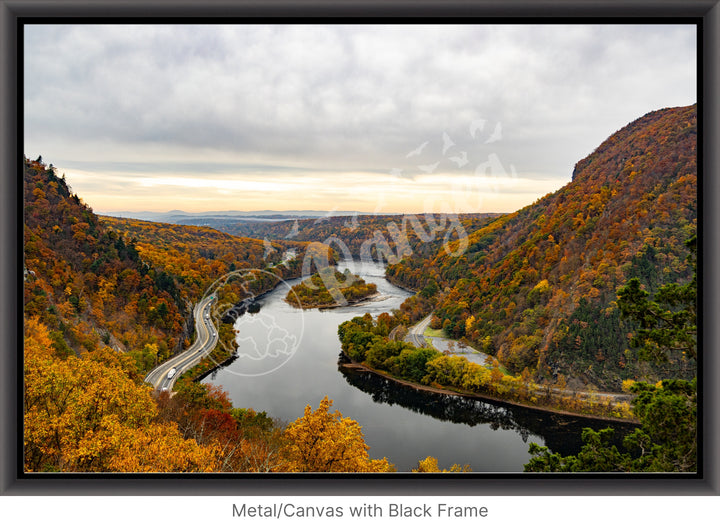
199,347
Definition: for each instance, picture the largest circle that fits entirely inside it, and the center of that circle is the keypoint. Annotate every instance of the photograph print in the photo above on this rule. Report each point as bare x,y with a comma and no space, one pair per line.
372,249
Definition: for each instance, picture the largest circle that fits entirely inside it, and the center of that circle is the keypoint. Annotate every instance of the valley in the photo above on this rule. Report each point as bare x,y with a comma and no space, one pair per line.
544,298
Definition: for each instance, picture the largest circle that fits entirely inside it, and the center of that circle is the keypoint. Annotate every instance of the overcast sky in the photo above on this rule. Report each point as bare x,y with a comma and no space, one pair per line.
366,118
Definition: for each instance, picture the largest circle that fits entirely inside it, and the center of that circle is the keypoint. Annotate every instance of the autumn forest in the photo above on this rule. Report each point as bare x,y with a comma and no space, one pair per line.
584,303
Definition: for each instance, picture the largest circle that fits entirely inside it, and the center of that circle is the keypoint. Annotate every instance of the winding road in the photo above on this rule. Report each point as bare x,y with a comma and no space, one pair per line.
416,335
163,377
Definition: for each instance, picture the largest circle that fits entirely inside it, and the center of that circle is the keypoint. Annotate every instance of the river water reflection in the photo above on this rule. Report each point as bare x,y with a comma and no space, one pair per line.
400,423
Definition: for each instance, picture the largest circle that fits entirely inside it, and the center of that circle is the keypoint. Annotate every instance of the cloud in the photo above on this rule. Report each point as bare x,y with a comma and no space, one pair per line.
295,100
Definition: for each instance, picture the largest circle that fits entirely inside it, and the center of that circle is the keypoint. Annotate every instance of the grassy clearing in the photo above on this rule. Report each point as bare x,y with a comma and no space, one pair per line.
435,333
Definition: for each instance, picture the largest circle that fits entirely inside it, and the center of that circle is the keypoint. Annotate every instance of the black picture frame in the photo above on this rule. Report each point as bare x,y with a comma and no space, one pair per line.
13,14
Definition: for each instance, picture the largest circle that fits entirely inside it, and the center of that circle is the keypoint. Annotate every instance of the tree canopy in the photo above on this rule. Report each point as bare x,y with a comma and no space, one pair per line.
667,439
326,441
668,319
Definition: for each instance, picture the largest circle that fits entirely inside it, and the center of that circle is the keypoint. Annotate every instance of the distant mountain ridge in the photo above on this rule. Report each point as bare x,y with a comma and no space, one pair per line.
182,217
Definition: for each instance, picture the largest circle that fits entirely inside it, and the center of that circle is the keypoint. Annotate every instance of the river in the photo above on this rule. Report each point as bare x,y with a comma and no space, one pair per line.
290,358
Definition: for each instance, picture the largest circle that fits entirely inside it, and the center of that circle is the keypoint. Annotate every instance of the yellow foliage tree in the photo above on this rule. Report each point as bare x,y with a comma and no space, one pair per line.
83,415
469,323
430,465
325,441
627,384
158,448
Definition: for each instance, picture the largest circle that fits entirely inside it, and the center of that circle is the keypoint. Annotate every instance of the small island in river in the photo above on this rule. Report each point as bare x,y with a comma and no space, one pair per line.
330,288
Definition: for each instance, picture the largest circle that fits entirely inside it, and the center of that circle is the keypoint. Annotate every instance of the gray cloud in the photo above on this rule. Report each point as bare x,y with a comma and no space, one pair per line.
349,98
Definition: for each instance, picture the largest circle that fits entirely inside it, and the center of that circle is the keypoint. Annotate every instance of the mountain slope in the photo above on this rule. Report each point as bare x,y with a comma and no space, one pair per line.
103,304
196,256
127,284
538,287
85,281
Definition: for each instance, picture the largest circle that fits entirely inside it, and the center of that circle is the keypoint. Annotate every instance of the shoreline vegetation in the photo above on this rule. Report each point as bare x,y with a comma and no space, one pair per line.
365,345
357,366
509,390
220,357
330,288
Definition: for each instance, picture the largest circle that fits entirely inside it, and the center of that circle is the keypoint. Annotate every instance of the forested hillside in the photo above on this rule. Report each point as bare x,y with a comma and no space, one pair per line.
94,310
384,236
126,283
106,299
538,287
198,256
86,282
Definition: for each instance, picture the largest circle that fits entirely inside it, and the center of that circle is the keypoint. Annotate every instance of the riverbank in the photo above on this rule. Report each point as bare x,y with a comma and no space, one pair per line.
330,288
398,422
216,360
214,367
358,366
239,308
398,285
357,303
